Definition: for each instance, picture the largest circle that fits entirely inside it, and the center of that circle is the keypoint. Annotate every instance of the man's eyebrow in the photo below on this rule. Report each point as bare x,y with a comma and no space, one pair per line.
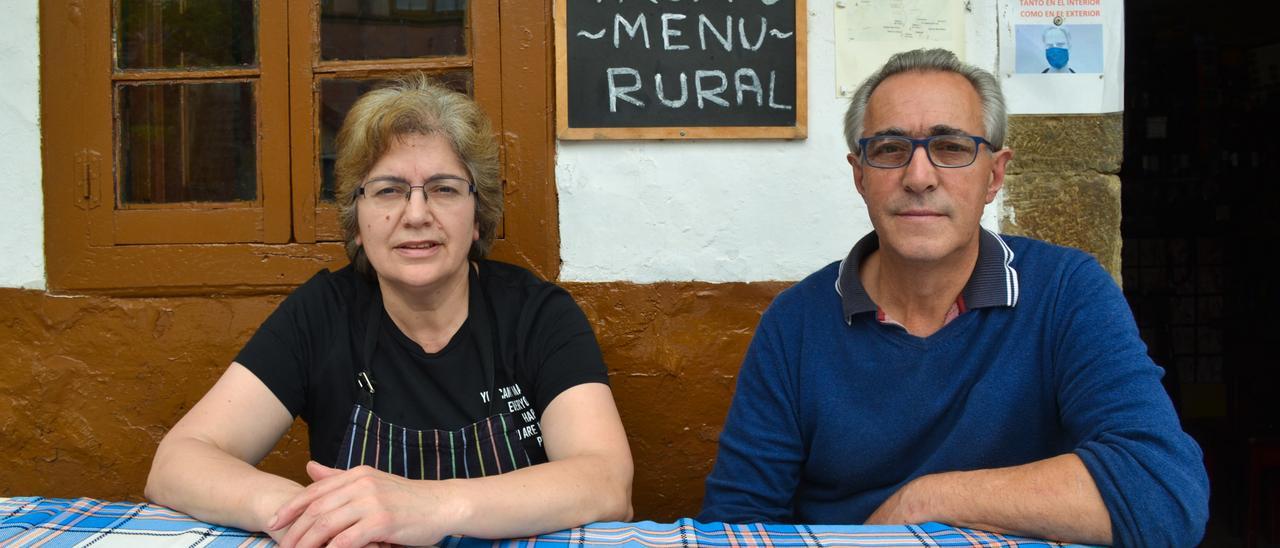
943,129
940,129
893,131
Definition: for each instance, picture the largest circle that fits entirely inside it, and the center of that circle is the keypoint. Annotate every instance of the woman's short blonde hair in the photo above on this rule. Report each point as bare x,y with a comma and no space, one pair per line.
416,105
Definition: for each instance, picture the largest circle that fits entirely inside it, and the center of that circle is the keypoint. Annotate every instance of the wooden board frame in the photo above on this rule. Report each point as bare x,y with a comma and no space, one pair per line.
798,131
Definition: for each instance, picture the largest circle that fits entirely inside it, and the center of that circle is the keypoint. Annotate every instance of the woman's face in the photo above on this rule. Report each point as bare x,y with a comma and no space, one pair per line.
421,243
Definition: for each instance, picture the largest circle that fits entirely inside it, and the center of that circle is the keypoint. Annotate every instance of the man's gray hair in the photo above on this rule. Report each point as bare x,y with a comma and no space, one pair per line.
994,119
1044,37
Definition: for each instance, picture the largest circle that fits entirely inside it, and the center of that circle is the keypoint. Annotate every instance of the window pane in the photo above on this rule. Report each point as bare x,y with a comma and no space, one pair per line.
337,96
187,143
186,33
391,29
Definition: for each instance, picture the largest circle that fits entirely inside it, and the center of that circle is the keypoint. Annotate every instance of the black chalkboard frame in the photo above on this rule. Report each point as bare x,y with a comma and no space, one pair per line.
797,131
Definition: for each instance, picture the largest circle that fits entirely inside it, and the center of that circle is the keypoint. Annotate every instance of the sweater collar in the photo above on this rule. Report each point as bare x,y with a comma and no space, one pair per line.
994,281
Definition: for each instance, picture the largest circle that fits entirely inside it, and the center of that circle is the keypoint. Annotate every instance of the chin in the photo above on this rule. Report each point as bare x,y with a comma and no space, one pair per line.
922,257
414,277
922,250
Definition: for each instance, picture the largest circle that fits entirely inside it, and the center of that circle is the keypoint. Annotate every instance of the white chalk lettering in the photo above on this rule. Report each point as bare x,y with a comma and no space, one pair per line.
616,92
753,86
725,39
668,33
746,80
713,94
684,91
742,33
773,84
639,26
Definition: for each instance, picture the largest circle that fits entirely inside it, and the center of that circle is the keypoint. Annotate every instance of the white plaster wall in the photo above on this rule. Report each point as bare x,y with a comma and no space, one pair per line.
21,192
638,211
721,211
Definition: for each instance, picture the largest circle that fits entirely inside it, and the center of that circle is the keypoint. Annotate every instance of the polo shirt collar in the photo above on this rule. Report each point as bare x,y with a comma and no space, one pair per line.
994,281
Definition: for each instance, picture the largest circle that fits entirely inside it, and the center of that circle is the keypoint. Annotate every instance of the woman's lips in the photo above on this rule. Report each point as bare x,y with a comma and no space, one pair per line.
419,248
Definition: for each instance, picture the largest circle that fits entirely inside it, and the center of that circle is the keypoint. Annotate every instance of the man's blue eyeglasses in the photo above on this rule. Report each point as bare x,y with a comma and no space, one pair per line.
895,151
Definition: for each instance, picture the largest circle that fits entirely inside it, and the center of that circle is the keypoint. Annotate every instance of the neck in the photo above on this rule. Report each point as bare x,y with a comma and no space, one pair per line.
429,316
917,294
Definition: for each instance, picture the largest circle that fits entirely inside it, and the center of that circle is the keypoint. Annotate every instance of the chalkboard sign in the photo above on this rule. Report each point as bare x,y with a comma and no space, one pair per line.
693,69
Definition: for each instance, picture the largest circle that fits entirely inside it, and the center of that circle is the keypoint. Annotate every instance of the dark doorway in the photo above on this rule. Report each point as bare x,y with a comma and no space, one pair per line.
1201,225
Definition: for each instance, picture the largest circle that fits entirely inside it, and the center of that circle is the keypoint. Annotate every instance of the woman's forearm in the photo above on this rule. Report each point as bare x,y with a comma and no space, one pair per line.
588,478
197,478
362,505
543,498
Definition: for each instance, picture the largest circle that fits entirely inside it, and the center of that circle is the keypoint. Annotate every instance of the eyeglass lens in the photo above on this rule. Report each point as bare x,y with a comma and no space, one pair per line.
438,192
944,150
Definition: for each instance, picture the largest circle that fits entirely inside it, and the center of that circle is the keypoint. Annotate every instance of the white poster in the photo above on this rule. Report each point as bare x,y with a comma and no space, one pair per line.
1062,56
868,32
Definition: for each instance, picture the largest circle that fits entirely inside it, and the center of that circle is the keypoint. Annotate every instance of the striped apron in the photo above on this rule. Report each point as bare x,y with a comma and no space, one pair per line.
484,448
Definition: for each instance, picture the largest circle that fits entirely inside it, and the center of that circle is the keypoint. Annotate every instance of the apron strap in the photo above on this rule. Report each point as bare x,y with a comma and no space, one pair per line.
482,329
372,326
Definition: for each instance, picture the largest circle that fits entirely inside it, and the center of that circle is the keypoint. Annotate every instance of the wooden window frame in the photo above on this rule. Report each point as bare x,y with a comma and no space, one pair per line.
92,247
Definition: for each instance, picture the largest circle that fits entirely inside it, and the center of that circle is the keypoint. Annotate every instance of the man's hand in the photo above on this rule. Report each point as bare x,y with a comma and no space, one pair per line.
363,506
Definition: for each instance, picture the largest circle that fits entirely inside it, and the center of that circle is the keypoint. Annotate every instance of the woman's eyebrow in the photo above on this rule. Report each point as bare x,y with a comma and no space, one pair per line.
392,178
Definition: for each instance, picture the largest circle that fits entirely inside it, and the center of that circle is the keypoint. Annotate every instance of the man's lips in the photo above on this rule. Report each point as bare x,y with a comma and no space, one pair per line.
920,213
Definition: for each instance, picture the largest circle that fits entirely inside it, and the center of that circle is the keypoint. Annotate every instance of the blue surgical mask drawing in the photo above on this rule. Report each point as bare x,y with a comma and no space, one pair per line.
1057,57
1057,49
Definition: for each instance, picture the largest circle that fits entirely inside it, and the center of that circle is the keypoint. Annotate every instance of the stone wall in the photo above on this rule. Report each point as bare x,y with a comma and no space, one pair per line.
1063,184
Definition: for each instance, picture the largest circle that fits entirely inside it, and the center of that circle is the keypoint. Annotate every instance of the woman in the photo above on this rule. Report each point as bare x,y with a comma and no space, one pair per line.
444,394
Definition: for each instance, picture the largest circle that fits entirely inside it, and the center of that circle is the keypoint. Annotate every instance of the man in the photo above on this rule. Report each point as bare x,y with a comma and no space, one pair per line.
1057,50
944,373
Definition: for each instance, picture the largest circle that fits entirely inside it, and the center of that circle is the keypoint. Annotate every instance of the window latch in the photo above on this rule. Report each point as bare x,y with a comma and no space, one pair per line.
88,170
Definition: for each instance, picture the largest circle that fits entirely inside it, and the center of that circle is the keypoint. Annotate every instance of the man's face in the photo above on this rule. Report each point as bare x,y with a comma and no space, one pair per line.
923,213
1055,38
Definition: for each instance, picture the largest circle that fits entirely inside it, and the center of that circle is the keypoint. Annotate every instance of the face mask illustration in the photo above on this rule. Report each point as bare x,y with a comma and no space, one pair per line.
1057,57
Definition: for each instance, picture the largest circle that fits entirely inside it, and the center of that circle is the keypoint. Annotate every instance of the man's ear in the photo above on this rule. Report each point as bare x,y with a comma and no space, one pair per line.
999,162
855,161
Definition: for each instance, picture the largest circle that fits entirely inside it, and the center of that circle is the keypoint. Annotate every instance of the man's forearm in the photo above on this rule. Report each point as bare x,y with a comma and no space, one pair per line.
1054,498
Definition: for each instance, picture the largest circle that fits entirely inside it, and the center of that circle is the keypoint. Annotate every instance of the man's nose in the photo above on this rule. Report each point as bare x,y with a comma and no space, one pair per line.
920,175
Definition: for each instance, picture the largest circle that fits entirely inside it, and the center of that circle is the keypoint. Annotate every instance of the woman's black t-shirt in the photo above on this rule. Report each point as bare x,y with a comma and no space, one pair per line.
308,352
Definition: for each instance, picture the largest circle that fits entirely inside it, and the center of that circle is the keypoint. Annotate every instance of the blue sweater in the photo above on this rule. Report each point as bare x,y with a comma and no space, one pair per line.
830,418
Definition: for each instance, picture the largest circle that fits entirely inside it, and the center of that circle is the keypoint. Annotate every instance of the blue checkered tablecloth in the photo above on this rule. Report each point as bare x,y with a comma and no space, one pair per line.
35,521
